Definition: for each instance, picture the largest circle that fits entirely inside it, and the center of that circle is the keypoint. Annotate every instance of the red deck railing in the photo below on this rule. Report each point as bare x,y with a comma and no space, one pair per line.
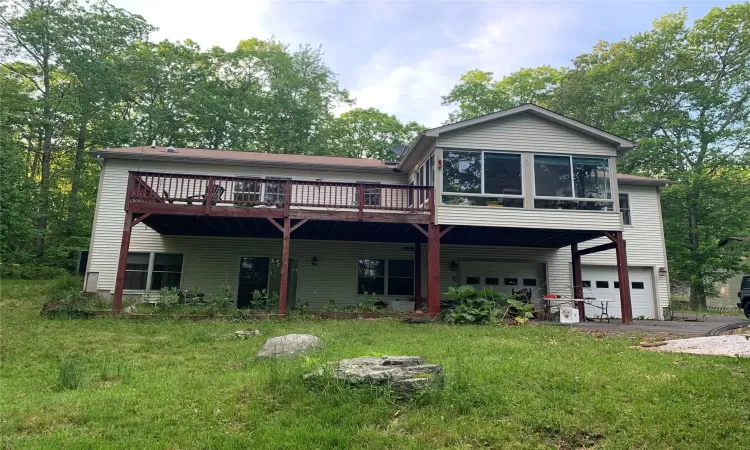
246,192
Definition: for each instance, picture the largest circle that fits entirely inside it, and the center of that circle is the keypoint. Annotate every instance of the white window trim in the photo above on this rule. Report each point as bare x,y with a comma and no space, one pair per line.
630,209
572,177
150,273
386,275
483,193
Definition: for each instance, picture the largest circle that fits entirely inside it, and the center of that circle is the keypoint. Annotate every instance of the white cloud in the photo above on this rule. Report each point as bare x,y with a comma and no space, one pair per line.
209,23
413,90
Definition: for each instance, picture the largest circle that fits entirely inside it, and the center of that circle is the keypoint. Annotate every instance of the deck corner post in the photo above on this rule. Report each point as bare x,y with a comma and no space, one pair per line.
122,262
577,277
284,267
417,276
433,270
626,307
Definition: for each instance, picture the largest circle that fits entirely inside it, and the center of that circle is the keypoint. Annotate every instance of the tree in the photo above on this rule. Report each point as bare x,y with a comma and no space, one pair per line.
29,31
477,93
369,133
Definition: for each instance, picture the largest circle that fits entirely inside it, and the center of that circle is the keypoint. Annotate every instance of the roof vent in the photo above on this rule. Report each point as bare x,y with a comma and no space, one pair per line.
171,149
153,144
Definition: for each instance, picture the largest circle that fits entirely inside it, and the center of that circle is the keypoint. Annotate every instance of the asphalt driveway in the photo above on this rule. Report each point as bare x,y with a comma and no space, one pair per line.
688,324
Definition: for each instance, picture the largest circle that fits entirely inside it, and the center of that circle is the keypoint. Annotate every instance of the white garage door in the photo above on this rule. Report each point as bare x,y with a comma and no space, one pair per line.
601,282
504,277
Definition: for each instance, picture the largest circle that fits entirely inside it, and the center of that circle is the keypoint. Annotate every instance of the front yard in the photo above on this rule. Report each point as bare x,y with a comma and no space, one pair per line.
165,383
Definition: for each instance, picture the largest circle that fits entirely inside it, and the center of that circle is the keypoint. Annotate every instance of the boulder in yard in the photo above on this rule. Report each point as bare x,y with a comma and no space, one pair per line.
404,374
244,334
132,309
289,346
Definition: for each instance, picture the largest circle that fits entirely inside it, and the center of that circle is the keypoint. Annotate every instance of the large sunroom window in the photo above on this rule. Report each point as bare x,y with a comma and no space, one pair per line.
572,182
477,178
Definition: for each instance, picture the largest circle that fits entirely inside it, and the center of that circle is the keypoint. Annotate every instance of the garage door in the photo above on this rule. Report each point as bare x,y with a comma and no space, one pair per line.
504,277
601,282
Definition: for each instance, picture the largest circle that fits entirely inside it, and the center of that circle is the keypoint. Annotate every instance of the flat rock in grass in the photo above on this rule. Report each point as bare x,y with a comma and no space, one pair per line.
244,334
404,374
289,346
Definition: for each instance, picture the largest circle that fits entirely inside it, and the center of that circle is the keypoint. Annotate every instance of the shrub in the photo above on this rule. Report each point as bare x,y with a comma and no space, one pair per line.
222,301
30,272
70,375
65,300
168,296
468,304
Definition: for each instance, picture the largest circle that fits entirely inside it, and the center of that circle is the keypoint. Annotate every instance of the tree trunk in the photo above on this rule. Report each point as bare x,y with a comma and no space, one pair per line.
697,287
46,161
75,179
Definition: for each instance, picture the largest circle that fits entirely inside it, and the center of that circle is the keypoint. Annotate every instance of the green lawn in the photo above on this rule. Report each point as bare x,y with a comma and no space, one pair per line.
179,384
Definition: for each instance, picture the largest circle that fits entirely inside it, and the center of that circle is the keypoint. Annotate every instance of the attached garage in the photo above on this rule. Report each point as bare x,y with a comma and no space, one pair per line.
505,277
601,282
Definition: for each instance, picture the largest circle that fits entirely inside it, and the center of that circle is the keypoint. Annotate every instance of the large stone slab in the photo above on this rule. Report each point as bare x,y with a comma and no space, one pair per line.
404,374
289,346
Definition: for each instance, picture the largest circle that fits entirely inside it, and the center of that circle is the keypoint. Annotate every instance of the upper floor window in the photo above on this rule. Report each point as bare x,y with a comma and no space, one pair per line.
482,178
572,182
625,209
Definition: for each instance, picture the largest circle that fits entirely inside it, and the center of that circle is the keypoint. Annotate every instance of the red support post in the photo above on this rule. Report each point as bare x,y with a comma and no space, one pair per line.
284,267
626,308
577,277
433,270
122,262
417,276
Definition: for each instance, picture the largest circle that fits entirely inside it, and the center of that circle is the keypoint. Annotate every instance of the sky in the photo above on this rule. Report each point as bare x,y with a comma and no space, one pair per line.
403,56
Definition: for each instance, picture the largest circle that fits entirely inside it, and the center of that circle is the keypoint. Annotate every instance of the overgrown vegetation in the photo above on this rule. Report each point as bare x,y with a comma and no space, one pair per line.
65,299
468,304
183,384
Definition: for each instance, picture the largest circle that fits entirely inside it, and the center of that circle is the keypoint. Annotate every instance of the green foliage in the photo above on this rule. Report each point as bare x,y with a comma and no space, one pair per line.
168,297
70,374
30,272
65,300
470,305
222,301
521,311
368,133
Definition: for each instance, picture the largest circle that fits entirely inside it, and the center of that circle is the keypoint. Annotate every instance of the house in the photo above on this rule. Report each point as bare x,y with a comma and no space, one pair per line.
519,199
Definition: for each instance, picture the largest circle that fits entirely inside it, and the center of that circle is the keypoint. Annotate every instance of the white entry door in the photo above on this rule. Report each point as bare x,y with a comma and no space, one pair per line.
601,282
504,277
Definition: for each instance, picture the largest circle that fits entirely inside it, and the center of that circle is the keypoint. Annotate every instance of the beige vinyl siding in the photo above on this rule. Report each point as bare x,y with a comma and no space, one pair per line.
526,133
528,218
645,245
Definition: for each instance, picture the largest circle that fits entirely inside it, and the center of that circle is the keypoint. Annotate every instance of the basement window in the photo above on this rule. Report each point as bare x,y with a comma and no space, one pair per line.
152,271
385,277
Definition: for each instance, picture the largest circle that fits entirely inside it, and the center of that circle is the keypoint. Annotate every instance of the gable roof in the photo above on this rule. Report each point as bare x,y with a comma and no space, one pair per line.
236,157
430,136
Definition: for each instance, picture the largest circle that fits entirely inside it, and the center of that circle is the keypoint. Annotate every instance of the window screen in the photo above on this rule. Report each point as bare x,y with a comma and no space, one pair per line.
167,270
529,281
502,173
511,281
637,285
552,176
602,284
400,277
492,281
462,172
136,271
371,276
625,209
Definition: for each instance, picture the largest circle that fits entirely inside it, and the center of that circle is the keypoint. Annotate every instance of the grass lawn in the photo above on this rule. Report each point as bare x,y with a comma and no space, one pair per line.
179,384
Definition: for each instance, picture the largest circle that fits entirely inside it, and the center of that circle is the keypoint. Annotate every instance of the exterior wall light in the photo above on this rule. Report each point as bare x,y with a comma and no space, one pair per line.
454,266
314,261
